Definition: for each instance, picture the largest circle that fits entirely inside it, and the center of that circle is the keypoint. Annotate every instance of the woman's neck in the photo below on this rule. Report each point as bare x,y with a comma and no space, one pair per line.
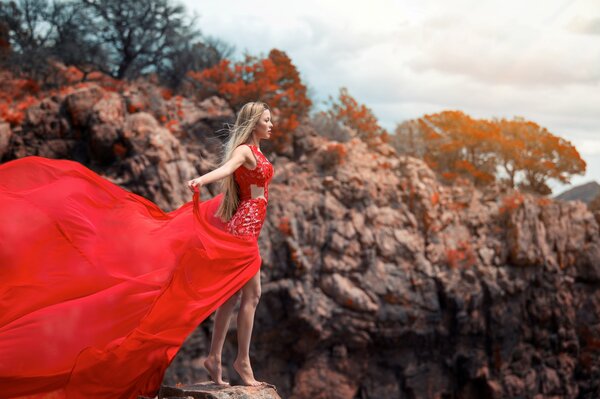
253,143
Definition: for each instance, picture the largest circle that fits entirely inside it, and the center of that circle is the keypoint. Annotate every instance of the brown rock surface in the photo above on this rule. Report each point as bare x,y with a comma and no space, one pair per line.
94,127
211,391
425,290
378,281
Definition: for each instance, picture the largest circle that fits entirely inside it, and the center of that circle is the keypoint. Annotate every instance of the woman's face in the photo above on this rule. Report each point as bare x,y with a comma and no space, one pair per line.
264,126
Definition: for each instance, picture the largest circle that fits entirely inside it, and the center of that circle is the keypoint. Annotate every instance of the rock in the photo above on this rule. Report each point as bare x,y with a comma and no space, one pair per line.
210,390
323,374
159,168
378,280
106,125
550,381
588,264
345,293
80,104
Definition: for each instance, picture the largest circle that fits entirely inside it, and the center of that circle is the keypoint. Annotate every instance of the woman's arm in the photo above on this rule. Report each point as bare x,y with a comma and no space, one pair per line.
239,156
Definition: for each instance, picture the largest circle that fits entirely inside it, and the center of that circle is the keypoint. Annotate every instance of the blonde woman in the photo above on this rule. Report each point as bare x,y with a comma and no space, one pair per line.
100,287
244,173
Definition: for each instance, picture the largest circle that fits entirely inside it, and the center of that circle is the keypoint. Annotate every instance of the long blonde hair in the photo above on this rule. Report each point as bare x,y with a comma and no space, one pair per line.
246,120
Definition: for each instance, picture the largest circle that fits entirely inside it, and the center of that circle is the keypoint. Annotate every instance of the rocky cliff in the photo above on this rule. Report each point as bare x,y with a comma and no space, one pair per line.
378,281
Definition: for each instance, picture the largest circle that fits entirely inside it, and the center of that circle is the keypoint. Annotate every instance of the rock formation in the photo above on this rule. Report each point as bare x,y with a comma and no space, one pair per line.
378,281
121,138
212,391
381,282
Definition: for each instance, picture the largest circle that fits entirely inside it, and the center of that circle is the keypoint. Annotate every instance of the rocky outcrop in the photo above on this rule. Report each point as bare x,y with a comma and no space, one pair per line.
377,280
135,139
212,391
478,293
381,282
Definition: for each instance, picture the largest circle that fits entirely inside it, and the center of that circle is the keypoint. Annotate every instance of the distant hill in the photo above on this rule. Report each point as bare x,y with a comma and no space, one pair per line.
585,192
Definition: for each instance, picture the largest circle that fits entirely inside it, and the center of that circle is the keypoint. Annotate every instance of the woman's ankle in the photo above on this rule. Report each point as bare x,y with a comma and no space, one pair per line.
242,360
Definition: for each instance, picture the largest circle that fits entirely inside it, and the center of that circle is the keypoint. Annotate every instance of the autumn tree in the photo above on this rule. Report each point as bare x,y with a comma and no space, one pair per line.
356,116
459,145
274,80
456,145
539,155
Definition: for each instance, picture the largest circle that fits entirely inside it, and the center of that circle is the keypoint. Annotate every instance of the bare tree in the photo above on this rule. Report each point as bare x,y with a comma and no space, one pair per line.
137,36
72,44
122,38
192,57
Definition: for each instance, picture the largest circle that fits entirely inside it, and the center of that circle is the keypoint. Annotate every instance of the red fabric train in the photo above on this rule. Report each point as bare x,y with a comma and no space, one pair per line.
98,286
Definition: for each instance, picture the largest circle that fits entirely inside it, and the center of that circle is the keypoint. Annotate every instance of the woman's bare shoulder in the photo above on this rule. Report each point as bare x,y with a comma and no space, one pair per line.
243,149
245,152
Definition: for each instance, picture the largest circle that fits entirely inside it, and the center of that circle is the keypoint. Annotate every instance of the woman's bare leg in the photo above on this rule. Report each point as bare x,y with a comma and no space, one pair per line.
213,360
245,321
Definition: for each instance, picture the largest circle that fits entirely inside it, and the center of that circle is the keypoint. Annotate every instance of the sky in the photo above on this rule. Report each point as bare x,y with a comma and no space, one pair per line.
405,58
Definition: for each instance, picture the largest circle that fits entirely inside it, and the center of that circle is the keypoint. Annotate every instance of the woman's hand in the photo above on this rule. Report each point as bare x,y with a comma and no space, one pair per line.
195,184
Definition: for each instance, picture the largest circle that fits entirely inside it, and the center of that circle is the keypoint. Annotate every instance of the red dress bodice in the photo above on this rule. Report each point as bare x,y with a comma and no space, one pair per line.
251,212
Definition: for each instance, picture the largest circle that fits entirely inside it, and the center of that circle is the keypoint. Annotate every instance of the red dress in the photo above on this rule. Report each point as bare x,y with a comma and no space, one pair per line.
99,287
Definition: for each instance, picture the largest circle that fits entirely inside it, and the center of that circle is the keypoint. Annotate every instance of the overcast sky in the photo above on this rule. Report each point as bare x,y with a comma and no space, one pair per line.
403,59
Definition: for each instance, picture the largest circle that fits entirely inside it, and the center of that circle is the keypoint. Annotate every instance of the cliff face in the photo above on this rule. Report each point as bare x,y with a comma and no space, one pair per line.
378,281
138,139
397,286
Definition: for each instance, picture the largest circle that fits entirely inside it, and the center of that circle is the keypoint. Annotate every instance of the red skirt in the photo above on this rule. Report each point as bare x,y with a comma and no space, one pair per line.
99,287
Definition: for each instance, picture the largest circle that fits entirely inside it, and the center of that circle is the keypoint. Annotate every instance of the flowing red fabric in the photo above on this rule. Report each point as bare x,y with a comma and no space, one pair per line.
99,287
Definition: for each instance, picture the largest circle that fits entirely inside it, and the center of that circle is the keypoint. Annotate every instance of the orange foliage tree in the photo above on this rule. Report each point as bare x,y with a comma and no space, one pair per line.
531,149
356,116
456,145
16,95
274,80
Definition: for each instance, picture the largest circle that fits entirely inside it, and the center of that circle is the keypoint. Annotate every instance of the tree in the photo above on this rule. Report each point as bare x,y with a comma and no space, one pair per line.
192,56
408,139
531,149
136,36
121,38
356,116
274,80
5,48
459,145
454,144
23,26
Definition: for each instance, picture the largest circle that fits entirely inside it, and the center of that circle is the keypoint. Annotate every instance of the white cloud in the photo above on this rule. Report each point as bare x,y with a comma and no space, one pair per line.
520,56
585,25
539,60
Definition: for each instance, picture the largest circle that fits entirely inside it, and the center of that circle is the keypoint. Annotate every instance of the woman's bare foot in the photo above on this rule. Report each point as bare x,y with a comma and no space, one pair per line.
213,365
244,369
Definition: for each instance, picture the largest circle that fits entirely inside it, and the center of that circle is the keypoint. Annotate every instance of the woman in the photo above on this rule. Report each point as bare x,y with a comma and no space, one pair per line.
99,287
251,169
